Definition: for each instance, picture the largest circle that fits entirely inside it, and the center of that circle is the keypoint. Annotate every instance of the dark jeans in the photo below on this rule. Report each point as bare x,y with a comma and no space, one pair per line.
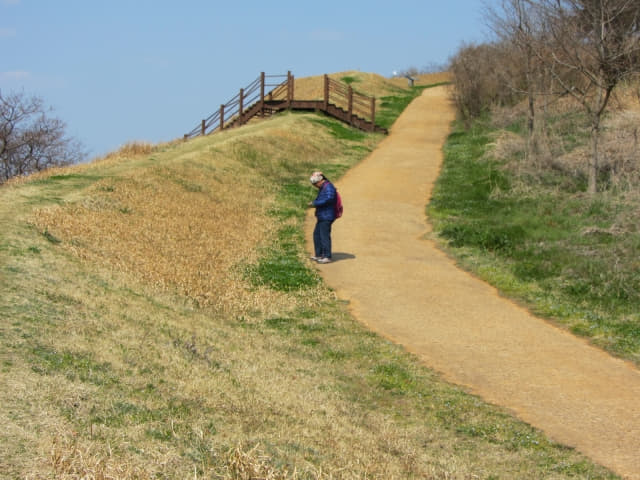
322,238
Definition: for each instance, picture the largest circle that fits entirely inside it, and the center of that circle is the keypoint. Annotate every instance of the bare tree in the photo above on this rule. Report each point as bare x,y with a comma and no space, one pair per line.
592,46
517,26
30,140
476,84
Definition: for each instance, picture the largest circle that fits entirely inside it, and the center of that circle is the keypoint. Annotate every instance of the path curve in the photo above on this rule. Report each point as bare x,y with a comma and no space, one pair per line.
400,285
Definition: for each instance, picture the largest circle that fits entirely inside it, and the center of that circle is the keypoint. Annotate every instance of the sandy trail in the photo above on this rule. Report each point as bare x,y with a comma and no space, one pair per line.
401,286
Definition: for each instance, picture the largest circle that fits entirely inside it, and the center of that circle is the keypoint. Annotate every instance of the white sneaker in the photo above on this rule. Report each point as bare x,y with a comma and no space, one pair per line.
324,260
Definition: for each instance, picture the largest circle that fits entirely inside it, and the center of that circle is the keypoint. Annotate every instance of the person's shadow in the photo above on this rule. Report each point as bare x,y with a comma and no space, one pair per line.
339,256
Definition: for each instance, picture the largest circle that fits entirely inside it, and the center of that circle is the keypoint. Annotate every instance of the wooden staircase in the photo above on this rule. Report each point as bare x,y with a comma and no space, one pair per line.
340,102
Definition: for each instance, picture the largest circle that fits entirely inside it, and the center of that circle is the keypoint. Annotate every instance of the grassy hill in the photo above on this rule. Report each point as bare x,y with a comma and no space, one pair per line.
161,320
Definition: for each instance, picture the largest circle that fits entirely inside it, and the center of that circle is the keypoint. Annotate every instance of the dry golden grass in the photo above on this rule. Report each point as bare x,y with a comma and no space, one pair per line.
627,95
371,84
132,149
618,145
171,226
186,223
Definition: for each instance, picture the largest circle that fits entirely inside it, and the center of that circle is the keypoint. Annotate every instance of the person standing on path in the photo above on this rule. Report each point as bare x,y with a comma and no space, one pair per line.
325,215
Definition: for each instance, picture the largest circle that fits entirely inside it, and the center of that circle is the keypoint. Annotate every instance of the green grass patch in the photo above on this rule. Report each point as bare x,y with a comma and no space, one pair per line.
72,365
349,80
554,248
293,198
282,272
393,377
391,106
70,179
281,266
339,130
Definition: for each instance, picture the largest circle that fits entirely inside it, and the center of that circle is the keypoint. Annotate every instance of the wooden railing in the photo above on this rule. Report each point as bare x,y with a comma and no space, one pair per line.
235,108
340,101
342,95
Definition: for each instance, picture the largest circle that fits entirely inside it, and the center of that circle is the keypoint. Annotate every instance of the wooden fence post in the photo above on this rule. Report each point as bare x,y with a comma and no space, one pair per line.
373,114
203,127
350,109
326,92
262,94
221,117
240,107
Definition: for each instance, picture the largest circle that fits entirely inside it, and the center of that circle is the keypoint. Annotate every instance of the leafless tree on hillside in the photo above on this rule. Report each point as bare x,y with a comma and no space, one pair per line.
517,26
475,79
30,140
592,46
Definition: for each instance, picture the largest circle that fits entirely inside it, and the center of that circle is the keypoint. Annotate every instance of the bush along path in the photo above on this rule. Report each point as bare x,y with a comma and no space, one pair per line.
403,287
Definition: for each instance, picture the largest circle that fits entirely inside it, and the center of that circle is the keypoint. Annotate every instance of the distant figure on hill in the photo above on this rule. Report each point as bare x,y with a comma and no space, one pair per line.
324,204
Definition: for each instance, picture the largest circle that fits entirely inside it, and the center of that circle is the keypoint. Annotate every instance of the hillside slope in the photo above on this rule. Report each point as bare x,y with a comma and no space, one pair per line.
160,320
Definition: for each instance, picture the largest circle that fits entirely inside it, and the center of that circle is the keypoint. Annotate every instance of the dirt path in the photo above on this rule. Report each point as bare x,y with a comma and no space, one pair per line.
401,286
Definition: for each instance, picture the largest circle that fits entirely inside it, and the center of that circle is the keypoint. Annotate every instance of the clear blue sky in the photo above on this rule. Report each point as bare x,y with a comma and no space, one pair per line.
148,70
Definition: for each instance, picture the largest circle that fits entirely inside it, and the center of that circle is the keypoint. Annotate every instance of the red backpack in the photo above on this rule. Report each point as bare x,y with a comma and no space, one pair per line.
338,208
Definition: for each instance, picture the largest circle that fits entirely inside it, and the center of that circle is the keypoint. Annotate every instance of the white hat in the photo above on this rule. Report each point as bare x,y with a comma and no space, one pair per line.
316,177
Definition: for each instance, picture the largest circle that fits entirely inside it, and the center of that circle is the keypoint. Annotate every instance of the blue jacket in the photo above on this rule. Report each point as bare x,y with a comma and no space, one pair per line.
325,202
